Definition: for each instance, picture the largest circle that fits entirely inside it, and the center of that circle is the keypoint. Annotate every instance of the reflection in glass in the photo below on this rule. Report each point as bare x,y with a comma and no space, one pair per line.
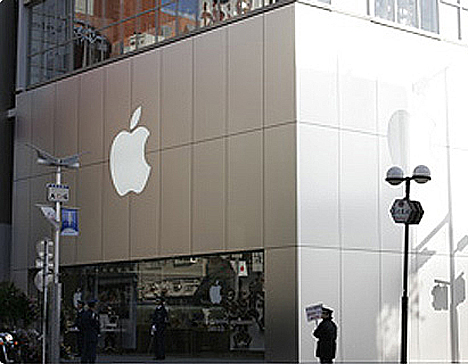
90,46
92,31
167,24
188,15
35,68
429,19
406,13
385,9
215,304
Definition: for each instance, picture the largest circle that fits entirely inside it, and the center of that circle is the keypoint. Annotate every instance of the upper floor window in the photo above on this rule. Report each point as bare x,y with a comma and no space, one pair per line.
84,6
65,35
421,14
454,18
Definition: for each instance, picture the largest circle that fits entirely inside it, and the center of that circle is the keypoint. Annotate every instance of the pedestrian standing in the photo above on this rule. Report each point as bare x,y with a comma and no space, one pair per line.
78,325
326,333
91,332
158,329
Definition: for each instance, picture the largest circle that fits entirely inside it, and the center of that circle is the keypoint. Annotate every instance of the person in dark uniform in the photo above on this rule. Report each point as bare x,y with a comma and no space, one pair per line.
326,333
91,330
79,333
158,328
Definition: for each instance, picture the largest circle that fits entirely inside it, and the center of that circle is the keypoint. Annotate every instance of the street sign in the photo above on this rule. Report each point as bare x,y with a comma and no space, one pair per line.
49,214
418,212
69,222
405,211
57,193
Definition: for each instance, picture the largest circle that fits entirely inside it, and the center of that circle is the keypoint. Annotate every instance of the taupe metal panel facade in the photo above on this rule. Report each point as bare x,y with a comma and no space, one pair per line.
219,181
145,222
209,190
91,116
146,92
66,117
245,75
210,83
90,197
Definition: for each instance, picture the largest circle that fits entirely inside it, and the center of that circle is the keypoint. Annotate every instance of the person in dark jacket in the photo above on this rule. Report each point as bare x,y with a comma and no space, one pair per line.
326,333
158,329
90,329
79,333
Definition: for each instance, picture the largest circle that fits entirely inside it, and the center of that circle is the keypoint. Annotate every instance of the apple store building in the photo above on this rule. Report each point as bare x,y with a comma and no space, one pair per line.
232,160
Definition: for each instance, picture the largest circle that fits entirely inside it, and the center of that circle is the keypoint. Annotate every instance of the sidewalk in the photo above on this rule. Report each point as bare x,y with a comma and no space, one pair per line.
129,359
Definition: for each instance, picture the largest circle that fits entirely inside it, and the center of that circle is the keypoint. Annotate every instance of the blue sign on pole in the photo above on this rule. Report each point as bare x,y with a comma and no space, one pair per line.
69,222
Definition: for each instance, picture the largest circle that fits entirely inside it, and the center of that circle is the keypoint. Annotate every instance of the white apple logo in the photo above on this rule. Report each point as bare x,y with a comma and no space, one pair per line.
128,167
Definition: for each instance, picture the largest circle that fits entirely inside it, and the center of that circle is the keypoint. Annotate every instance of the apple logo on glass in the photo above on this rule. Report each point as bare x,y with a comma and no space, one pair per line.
128,166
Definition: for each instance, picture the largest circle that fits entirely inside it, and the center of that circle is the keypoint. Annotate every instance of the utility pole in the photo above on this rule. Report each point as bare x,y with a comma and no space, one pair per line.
72,162
406,212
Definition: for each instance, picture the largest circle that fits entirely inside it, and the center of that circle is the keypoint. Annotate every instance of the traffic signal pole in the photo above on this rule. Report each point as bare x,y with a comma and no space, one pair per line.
72,162
45,270
404,297
55,322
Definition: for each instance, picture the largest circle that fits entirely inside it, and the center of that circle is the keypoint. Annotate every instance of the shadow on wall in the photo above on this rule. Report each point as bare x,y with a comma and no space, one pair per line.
389,320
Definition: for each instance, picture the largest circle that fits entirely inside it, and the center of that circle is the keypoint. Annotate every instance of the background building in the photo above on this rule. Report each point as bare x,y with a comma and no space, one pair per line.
8,10
270,130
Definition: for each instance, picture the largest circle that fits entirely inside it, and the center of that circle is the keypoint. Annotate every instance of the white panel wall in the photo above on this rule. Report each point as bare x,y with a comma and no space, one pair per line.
320,282
318,181
370,97
317,80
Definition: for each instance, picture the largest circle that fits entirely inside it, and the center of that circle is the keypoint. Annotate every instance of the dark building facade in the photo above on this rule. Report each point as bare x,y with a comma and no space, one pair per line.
8,24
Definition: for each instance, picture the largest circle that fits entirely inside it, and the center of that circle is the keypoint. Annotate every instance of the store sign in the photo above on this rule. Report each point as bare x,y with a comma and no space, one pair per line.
128,166
405,211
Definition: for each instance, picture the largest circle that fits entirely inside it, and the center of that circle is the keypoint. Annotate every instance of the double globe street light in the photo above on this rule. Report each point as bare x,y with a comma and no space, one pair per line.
406,212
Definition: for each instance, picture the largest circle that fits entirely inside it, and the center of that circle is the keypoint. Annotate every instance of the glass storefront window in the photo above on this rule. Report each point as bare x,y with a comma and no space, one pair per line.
215,304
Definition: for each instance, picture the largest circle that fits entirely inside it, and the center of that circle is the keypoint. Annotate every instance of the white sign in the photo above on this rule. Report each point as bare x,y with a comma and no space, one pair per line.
242,269
215,293
49,214
127,163
313,312
69,222
57,193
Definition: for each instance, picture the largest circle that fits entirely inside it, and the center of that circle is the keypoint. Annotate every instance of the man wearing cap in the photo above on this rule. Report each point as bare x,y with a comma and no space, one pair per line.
158,328
91,330
326,333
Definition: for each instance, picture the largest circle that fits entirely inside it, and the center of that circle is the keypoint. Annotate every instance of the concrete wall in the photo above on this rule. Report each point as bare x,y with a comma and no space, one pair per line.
370,97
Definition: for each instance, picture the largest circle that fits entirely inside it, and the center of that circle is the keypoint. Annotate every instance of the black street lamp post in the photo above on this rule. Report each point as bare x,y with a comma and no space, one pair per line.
409,213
